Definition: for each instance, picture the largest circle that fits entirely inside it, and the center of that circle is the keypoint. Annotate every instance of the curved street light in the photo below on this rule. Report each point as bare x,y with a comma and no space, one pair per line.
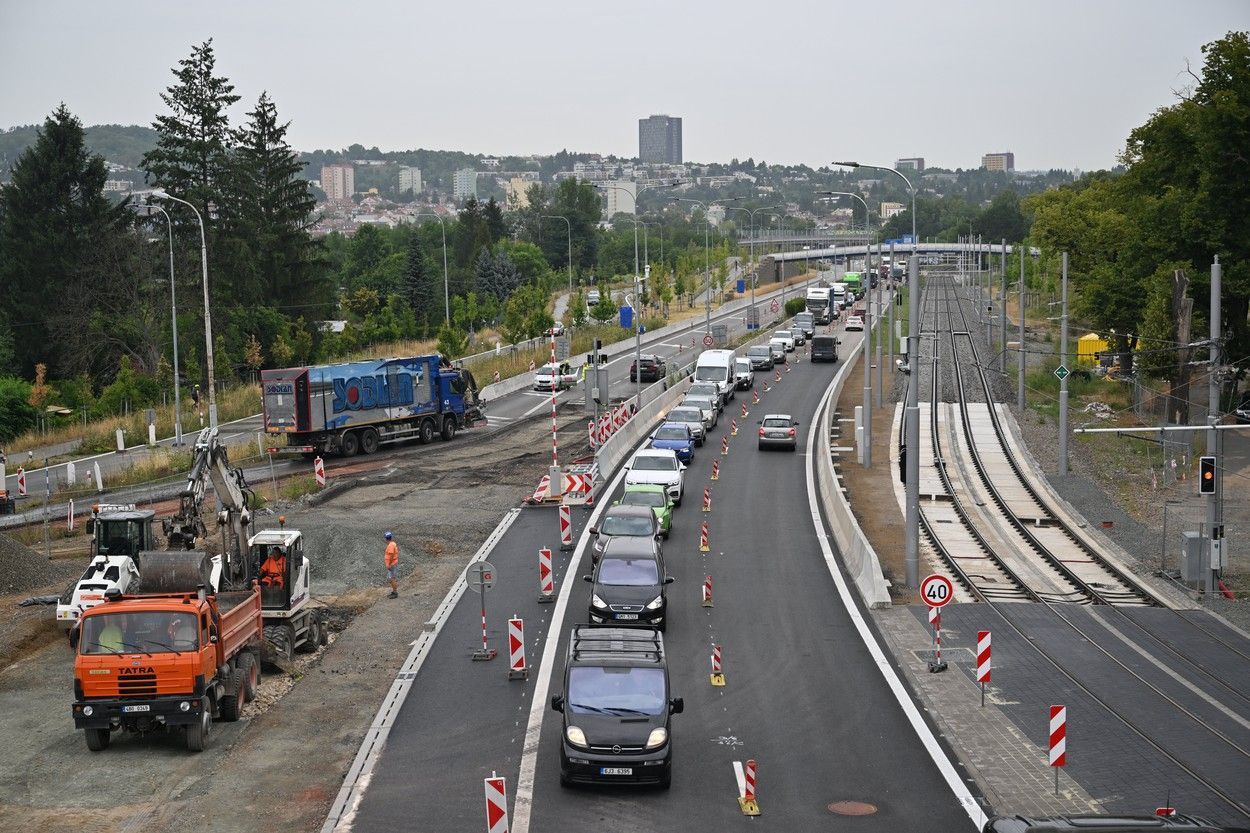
173,304
446,282
751,212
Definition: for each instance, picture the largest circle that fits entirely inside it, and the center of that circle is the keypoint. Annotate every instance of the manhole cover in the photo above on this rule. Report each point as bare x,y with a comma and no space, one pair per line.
852,808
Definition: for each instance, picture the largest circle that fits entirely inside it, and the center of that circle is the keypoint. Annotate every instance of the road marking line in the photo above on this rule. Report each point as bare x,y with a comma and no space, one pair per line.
925,734
356,783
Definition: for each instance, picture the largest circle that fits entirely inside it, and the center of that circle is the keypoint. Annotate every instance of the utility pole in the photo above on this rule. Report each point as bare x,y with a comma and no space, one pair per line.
880,330
1063,382
912,439
1002,353
890,311
1215,519
1021,355
866,344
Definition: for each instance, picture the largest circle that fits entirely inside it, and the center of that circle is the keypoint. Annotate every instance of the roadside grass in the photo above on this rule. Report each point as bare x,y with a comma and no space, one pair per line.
294,488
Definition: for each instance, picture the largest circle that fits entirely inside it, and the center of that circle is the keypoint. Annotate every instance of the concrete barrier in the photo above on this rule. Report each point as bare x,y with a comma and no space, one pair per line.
861,561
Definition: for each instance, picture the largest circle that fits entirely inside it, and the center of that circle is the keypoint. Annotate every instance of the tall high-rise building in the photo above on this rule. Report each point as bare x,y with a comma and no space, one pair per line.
621,196
410,180
464,184
911,163
338,181
999,161
659,139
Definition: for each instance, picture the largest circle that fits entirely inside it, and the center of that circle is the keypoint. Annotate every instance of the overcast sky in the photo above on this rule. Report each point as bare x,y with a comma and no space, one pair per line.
1058,82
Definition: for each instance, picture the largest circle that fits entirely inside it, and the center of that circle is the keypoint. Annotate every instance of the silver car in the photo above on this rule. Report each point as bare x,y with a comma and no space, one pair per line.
778,431
800,337
779,350
708,389
692,418
708,406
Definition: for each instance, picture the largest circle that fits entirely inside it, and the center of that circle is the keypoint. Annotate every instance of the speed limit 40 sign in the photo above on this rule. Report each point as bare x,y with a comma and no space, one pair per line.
936,590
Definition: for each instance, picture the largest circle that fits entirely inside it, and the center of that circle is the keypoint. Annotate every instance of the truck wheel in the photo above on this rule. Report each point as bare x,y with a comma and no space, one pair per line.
349,444
369,441
97,739
280,642
235,696
449,429
312,637
249,668
324,632
426,432
197,733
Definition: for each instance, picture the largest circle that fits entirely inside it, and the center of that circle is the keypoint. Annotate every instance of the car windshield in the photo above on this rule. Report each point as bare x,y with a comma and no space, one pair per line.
649,463
782,334
612,690
684,415
148,632
709,374
742,364
701,402
627,525
672,432
704,389
759,350
629,572
776,422
547,370
654,499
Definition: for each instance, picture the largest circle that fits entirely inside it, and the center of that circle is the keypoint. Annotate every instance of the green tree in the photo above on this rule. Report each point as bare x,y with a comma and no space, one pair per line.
17,415
577,307
605,310
420,288
492,216
452,342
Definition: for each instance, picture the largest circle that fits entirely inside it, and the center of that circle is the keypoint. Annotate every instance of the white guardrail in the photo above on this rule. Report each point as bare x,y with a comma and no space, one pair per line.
860,559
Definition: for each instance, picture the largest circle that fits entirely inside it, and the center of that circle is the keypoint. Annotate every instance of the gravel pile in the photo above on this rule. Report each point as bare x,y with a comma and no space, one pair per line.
23,569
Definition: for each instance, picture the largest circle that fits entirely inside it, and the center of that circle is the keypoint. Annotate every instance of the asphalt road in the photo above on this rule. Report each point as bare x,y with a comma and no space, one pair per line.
804,698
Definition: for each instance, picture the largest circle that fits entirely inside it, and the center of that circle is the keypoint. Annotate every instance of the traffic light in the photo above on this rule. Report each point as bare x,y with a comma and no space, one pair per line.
1206,475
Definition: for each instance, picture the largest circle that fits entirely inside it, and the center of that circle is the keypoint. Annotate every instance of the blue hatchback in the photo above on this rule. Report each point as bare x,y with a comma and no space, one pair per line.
675,436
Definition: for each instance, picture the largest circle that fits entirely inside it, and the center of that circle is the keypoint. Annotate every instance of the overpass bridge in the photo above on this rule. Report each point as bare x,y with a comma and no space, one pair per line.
779,266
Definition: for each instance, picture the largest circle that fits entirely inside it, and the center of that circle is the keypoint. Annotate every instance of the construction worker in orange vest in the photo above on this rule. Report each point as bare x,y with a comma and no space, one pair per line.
392,565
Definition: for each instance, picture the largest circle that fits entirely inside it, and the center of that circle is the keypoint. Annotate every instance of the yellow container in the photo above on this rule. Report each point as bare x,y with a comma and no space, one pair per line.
1088,346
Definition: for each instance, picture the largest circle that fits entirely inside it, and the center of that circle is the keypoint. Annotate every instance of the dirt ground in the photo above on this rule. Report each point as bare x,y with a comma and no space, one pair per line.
280,766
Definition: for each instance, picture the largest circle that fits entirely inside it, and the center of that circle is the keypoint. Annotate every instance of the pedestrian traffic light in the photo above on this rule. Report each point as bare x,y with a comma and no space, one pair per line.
1206,475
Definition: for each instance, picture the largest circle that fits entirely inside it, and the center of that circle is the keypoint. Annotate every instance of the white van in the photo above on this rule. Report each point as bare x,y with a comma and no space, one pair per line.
717,366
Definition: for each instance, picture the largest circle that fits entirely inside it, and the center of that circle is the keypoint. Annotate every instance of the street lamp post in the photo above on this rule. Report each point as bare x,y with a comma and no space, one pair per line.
707,264
446,281
173,304
208,320
751,212
912,440
570,225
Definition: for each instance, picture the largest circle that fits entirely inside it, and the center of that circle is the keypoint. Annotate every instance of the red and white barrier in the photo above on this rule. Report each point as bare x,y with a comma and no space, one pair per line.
707,499
744,410
707,591
715,470
703,542
566,527
593,432
796,358
983,657
755,398
21,482
724,445
319,472
69,518
748,780
718,675
496,804
516,649
546,579
1058,736
777,374
746,788
733,427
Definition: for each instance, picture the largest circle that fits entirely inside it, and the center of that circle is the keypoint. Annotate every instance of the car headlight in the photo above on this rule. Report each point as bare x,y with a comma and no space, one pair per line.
656,603
184,706
87,711
657,738
595,601
577,737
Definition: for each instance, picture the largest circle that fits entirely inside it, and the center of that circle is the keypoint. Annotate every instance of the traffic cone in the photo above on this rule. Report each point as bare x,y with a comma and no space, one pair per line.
707,591
718,675
707,499
755,396
777,373
715,470
733,425
744,410
703,541
724,446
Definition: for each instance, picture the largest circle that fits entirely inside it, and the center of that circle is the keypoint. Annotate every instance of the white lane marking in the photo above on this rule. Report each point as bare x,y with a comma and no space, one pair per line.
546,403
962,794
524,800
741,778
356,783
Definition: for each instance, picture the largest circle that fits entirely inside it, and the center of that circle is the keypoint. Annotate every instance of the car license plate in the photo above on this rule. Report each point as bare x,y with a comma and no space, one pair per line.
627,616
616,770
136,708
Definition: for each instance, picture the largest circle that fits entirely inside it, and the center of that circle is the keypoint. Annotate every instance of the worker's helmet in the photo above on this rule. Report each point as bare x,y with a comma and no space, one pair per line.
388,536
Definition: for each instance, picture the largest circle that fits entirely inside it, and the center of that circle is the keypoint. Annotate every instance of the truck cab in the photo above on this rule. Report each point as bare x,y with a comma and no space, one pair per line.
104,573
617,708
120,529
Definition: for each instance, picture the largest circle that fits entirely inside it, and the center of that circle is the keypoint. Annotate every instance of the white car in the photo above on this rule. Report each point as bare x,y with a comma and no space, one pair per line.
660,466
744,375
787,337
554,377
854,322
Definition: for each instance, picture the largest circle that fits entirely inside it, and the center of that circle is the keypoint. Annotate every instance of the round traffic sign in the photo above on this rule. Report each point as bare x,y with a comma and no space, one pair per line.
936,590
774,306
707,341
480,576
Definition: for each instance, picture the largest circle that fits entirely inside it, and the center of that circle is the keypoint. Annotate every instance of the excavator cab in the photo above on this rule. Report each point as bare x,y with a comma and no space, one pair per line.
276,560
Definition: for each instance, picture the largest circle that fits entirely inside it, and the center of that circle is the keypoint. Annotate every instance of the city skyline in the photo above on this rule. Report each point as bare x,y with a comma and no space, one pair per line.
1061,86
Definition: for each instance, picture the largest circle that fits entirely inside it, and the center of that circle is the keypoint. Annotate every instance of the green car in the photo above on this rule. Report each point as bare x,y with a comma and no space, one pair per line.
655,496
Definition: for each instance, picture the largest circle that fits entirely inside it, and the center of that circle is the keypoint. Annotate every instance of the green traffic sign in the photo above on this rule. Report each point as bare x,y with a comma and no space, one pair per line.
1061,372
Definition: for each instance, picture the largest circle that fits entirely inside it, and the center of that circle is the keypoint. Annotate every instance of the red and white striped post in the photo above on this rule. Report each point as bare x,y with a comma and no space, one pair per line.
935,619
733,427
69,518
748,788
755,396
546,579
744,410
703,542
766,387
983,661
715,470
724,445
516,649
777,374
21,482
319,472
594,434
718,676
496,804
707,591
555,390
1058,740
707,499
566,527
796,358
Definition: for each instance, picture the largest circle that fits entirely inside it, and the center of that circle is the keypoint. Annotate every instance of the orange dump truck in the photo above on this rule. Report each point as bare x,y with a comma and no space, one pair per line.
170,660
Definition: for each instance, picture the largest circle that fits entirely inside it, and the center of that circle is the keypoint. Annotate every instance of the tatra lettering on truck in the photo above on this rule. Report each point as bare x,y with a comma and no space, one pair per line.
368,392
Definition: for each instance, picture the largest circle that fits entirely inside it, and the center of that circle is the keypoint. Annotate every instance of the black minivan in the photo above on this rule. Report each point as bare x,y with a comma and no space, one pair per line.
627,585
617,709
824,349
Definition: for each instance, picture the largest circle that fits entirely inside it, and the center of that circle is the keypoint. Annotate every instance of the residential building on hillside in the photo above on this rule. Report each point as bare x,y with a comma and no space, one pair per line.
410,180
659,139
716,214
999,161
464,184
889,209
516,192
911,163
338,181
621,196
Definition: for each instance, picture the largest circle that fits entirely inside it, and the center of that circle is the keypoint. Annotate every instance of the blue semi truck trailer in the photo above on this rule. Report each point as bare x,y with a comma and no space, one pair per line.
356,407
